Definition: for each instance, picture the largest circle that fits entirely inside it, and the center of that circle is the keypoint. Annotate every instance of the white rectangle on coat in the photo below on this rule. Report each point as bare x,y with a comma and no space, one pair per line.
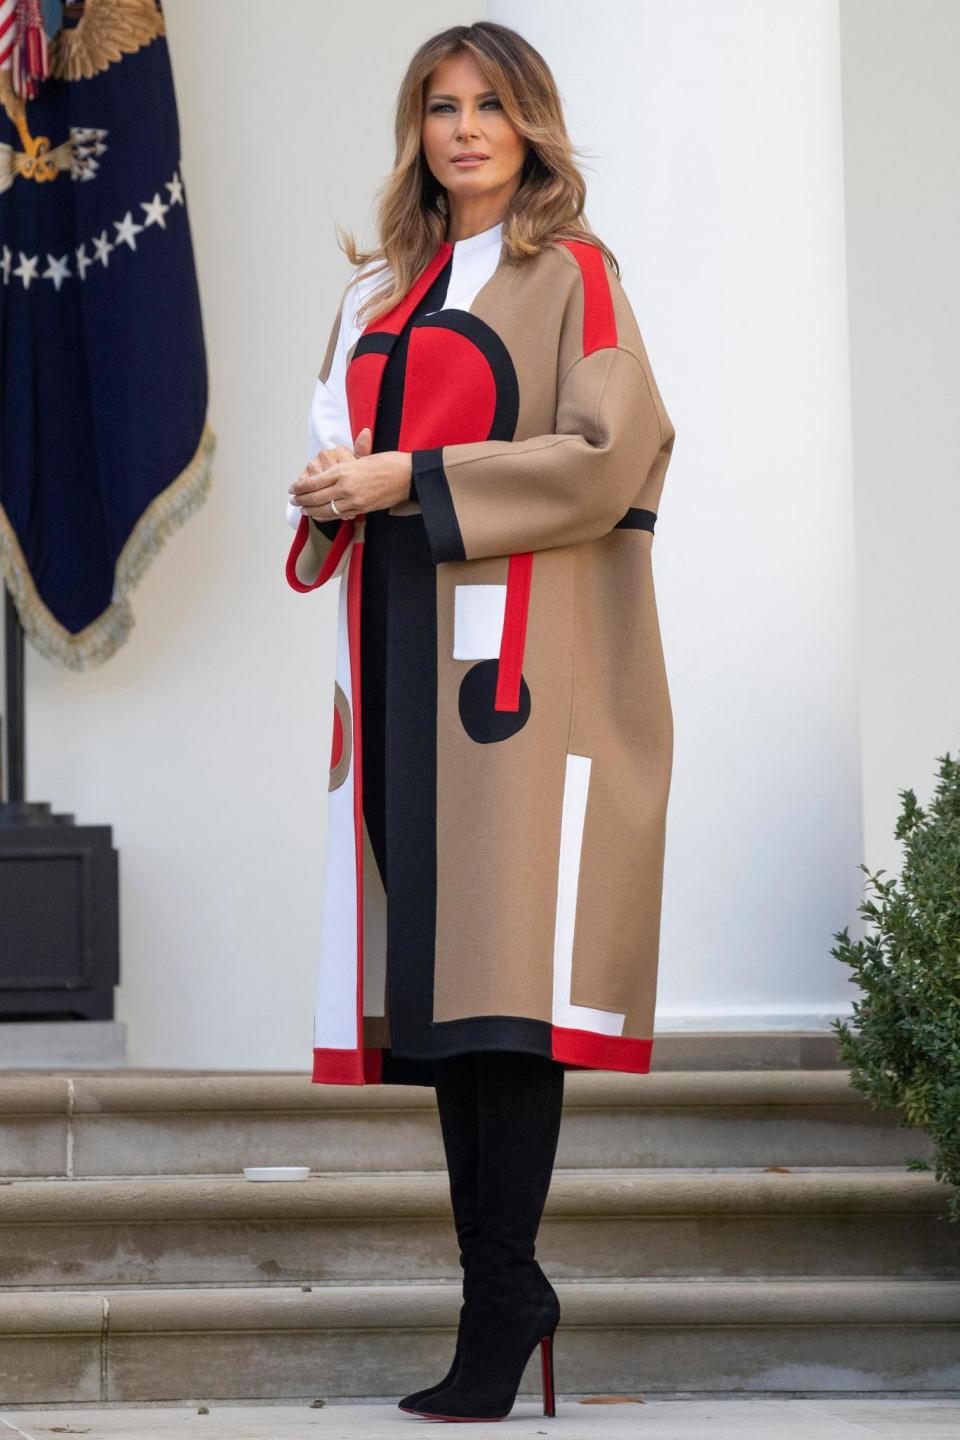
335,1012
478,621
565,1013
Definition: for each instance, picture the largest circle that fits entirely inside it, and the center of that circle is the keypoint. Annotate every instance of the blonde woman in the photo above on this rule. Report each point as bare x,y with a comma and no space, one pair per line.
487,452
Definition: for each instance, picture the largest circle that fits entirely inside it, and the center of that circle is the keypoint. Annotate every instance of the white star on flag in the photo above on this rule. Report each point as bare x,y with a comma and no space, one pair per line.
57,271
103,247
155,211
27,269
126,229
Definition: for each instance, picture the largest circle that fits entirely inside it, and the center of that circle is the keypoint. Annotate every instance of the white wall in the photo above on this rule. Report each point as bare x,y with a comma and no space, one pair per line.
717,178
901,121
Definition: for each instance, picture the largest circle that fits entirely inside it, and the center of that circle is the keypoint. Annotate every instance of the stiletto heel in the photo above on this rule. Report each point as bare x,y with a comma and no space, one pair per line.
546,1367
549,1393
496,1348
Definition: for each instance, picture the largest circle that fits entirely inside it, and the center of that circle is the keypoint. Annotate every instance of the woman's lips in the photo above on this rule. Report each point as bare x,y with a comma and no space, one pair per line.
471,160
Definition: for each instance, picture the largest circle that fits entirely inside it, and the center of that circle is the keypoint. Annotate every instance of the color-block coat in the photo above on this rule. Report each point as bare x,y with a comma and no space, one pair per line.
523,725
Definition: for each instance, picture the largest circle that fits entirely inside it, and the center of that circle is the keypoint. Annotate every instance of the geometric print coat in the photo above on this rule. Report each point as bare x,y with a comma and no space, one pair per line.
502,735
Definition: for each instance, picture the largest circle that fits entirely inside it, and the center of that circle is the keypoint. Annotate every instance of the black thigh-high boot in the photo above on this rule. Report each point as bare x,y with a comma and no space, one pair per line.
510,1304
455,1079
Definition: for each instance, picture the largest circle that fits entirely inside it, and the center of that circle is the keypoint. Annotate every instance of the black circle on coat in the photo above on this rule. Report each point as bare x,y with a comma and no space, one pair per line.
478,691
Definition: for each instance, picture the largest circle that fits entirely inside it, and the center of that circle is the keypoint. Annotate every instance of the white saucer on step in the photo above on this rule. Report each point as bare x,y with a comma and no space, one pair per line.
276,1172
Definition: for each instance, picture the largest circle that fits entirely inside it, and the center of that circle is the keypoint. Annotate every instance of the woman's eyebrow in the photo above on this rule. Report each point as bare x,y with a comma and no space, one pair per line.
482,96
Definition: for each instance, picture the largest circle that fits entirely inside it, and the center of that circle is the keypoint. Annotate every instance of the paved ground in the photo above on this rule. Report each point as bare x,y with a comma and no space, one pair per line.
723,1419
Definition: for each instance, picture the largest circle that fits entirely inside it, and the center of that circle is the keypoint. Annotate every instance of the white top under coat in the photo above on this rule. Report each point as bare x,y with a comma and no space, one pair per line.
474,261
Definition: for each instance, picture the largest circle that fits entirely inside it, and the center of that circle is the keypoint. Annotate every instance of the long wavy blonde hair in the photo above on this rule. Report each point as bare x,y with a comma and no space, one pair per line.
412,211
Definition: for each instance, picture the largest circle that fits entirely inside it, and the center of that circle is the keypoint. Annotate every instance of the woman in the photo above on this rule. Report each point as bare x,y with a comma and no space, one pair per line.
488,450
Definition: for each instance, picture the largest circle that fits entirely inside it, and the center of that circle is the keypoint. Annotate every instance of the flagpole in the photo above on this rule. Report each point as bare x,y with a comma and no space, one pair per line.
14,691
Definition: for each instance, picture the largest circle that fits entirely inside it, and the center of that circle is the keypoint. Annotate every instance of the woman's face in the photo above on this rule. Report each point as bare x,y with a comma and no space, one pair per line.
462,114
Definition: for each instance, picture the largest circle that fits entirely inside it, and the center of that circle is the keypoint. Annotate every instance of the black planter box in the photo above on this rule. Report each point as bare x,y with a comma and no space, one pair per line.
59,917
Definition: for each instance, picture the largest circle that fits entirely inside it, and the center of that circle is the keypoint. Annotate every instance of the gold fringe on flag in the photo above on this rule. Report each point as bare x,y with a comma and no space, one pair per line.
97,641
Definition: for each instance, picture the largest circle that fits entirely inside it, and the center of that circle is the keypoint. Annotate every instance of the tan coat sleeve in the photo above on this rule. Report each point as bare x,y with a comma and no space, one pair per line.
609,452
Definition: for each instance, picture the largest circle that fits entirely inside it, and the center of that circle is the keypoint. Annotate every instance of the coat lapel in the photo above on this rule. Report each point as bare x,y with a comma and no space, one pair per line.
372,349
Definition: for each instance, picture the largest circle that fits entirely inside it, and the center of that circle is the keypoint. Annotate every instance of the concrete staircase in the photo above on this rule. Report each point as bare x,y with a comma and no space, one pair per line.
709,1229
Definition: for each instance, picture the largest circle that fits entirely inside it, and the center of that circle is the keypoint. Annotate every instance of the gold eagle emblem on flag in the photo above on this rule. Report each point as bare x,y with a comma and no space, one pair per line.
105,31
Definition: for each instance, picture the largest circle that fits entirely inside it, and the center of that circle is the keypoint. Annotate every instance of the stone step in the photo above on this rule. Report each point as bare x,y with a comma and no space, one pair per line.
335,1341
63,1046
187,1123
609,1224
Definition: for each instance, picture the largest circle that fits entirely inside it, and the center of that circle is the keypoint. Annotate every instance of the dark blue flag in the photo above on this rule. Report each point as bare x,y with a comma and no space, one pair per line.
104,442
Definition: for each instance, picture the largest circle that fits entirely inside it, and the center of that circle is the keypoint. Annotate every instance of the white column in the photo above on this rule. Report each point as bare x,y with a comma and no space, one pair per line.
901,120
715,174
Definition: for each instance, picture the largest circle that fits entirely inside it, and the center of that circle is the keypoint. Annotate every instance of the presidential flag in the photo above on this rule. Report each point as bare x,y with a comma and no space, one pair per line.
105,447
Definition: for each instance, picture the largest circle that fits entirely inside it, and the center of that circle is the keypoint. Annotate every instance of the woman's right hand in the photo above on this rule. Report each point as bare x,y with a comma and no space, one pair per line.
311,492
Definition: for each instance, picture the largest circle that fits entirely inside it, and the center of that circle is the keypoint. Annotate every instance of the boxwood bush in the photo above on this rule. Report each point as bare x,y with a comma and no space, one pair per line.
902,1046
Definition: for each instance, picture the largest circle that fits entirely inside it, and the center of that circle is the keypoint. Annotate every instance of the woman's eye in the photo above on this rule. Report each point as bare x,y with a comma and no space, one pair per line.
446,105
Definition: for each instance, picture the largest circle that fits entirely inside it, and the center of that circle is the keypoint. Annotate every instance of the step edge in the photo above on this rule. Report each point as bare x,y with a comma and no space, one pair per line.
120,1094
881,1302
384,1195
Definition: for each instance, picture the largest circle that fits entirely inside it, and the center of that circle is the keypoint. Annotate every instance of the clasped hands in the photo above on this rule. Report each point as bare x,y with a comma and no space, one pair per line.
357,479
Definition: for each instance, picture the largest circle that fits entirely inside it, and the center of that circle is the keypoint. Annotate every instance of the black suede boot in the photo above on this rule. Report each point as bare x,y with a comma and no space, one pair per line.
455,1078
510,1305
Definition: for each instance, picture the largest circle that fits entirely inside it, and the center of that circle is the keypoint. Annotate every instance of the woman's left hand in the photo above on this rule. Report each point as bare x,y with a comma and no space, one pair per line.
358,484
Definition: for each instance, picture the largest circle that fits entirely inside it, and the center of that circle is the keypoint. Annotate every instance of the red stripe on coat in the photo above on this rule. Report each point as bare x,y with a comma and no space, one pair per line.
514,634
338,1067
336,745
342,539
599,321
354,592
577,1049
588,1050
395,319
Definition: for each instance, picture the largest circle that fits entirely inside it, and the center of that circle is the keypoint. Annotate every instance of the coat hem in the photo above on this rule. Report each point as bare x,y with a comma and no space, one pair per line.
575,1049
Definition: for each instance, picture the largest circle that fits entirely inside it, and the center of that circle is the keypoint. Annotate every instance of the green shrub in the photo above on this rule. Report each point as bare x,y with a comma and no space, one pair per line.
905,1051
